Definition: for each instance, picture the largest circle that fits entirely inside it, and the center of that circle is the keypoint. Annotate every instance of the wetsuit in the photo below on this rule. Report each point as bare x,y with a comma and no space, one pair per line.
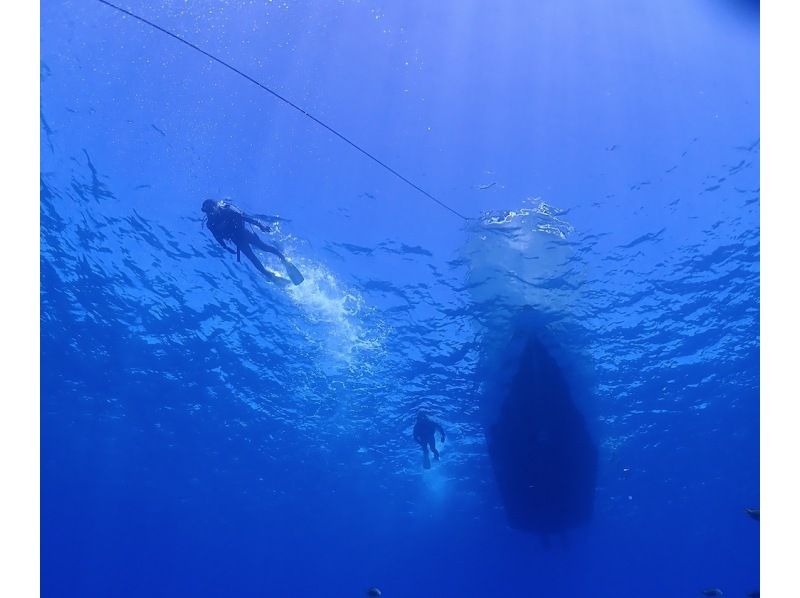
228,223
424,434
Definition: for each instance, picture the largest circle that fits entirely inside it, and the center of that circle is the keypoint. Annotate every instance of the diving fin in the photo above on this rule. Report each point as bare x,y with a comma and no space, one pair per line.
293,273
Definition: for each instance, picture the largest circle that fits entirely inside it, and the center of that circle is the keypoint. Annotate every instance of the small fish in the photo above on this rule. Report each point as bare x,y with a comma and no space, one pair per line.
489,186
754,513
712,592
373,592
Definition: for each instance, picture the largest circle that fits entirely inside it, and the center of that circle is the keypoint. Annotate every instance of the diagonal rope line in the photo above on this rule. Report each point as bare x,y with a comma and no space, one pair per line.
288,102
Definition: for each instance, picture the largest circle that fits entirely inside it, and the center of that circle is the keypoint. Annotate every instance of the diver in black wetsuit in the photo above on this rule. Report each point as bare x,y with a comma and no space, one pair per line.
424,434
228,223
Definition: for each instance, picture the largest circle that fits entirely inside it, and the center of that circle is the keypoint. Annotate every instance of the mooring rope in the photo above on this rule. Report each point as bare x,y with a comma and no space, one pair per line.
286,101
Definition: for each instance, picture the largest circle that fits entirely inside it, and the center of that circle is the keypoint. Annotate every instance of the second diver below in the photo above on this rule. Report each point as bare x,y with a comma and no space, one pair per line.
228,223
424,434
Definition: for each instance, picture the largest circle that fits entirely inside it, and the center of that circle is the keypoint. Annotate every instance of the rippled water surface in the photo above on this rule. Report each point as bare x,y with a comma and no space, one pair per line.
207,433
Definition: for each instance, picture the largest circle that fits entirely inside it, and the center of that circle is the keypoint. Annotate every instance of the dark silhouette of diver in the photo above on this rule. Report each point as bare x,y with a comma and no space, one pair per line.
228,223
424,434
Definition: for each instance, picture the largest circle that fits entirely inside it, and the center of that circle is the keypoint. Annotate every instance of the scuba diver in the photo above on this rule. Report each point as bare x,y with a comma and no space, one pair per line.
227,223
423,434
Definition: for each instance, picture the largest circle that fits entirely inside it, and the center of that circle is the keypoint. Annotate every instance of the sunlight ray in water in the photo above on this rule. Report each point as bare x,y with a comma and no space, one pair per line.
585,361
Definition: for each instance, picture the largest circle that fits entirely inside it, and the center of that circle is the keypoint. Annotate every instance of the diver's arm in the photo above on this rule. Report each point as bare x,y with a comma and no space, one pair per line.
441,430
256,222
221,241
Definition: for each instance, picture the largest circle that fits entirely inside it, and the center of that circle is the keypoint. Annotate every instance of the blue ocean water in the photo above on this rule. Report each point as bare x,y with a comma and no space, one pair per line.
207,433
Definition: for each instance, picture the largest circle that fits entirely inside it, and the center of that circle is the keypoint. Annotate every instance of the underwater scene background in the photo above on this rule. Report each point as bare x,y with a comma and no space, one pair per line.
588,338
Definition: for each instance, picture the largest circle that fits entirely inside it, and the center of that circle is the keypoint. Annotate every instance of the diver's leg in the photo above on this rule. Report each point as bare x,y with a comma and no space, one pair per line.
433,449
426,461
248,252
291,270
254,239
